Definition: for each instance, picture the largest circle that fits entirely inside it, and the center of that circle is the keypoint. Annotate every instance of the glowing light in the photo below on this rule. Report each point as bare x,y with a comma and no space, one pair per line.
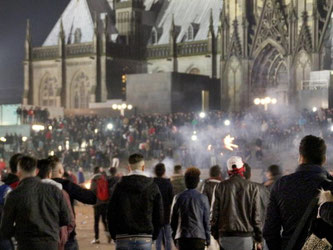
24,138
50,127
194,138
96,131
84,145
332,128
314,109
60,148
67,145
87,184
268,100
38,127
119,107
209,148
227,123
124,106
109,126
257,101
3,139
262,101
130,107
228,143
52,153
114,106
274,101
202,115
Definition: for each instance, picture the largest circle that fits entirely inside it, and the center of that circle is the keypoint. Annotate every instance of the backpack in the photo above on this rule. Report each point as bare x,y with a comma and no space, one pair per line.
102,189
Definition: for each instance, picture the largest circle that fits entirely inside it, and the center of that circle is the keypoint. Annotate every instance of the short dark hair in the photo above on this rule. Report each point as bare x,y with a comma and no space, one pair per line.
14,161
177,169
160,169
274,170
313,150
135,158
192,177
96,170
53,161
113,171
247,172
215,171
44,168
27,164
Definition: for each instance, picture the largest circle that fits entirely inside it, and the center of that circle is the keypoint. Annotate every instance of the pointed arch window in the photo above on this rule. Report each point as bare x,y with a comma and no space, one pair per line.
48,90
80,91
154,36
190,33
77,35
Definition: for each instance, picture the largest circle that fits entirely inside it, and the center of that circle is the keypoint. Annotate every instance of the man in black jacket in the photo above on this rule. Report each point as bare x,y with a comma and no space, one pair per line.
74,191
291,195
11,179
166,190
34,211
135,211
236,210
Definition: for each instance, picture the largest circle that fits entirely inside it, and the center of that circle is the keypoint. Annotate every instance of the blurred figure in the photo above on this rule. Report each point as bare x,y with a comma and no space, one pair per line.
208,188
166,190
5,244
135,211
39,228
12,179
100,187
113,179
273,174
236,221
80,176
190,215
291,195
177,180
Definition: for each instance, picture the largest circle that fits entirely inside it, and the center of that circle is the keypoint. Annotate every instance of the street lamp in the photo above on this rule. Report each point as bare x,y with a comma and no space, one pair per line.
122,107
227,123
265,101
202,115
24,138
109,126
314,109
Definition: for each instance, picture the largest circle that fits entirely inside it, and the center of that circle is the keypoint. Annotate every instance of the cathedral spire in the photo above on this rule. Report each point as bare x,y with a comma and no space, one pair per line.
61,32
28,32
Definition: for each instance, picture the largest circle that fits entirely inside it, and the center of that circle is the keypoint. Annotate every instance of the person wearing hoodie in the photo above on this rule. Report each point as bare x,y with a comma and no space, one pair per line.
11,179
45,174
177,180
135,210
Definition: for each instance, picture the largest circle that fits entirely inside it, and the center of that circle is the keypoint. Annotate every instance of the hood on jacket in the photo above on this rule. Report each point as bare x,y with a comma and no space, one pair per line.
135,183
52,182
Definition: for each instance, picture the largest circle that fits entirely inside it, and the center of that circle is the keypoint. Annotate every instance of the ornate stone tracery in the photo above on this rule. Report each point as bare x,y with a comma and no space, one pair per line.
48,90
80,91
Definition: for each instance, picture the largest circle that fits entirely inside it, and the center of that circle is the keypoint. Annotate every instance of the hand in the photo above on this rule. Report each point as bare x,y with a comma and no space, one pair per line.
259,246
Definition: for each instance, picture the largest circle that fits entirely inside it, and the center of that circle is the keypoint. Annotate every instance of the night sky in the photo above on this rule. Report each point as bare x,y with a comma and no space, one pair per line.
43,15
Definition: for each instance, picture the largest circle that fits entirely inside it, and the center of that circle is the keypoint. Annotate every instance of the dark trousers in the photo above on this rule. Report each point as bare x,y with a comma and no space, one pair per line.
191,244
6,245
72,244
100,211
42,245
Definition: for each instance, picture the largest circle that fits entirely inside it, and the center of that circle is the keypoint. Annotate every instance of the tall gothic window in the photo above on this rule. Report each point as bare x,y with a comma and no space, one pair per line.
154,36
190,33
77,35
80,91
48,90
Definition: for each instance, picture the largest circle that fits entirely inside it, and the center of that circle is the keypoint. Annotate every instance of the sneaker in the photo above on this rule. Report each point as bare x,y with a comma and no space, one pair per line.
95,241
108,236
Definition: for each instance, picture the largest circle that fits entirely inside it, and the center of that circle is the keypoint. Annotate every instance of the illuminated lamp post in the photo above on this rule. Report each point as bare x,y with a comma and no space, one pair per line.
265,102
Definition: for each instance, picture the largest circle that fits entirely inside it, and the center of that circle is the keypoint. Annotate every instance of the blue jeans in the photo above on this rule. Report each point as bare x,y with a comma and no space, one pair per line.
164,238
134,244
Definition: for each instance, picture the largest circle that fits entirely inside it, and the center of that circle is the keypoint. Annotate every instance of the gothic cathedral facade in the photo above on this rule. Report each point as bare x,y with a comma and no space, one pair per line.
255,47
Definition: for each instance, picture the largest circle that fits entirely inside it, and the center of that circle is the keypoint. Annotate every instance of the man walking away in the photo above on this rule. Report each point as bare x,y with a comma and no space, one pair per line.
34,211
74,191
190,215
236,210
166,190
208,189
177,180
100,187
135,211
292,194
113,179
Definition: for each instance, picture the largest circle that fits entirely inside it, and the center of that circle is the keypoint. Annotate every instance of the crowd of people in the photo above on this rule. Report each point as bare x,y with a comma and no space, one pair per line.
233,213
186,138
